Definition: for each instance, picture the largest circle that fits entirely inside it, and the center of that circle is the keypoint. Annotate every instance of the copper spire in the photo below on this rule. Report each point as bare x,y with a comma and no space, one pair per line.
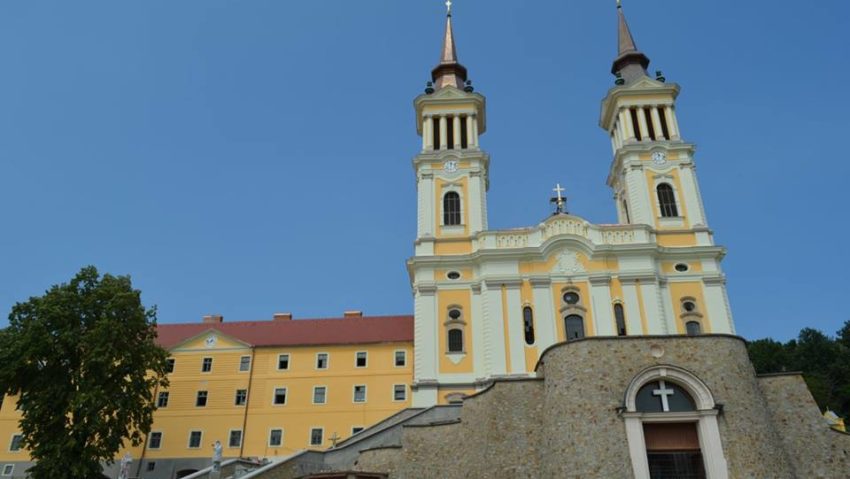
449,72
631,63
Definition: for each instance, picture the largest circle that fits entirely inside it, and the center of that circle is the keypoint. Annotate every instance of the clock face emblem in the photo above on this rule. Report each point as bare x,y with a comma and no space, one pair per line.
659,158
450,166
210,341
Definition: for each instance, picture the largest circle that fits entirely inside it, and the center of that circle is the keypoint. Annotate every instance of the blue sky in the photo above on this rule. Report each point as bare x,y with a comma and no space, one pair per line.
248,157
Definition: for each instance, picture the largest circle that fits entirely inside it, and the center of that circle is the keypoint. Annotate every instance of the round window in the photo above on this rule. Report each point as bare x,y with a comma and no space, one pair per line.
681,267
689,306
571,297
454,314
453,275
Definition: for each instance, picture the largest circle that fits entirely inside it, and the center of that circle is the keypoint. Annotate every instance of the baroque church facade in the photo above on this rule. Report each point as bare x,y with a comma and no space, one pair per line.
564,349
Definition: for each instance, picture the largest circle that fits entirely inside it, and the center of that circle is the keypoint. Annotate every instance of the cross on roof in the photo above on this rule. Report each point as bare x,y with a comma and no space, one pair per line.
560,200
449,6
663,392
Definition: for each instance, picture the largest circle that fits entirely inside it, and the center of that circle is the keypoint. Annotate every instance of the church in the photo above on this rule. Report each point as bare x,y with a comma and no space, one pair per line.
562,349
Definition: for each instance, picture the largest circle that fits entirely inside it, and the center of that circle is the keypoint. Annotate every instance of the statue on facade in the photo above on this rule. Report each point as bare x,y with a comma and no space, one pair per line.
216,459
124,471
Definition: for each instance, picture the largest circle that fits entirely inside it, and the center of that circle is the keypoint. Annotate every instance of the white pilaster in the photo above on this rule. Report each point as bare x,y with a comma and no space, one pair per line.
716,306
696,215
470,133
652,304
516,332
672,123
631,305
667,307
626,121
545,327
425,193
474,137
477,323
428,133
600,293
457,133
425,334
641,206
656,124
444,132
644,130
494,333
475,208
712,448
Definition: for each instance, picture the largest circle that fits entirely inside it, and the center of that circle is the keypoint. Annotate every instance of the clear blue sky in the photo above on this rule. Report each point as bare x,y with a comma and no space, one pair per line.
247,157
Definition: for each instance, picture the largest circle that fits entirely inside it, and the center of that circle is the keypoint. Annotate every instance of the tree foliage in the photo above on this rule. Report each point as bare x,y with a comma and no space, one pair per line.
823,360
84,363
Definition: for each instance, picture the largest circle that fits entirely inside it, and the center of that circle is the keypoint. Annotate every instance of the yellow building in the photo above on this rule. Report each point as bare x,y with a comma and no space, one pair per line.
487,303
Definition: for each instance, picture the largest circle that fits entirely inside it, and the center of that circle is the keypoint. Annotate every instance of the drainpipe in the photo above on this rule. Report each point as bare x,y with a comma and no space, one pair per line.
247,403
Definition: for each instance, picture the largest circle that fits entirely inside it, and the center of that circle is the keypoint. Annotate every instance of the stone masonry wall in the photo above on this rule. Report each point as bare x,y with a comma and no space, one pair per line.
815,450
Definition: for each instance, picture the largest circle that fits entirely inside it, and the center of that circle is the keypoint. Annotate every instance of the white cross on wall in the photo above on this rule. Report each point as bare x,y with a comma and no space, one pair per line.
663,392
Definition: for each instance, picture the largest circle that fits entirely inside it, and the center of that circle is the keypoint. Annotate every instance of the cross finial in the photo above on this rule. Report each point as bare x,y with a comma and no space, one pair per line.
560,200
449,7
619,4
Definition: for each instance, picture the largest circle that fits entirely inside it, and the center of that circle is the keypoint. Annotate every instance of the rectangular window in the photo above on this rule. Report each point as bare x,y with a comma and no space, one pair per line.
206,365
16,443
356,429
245,363
151,466
283,362
275,437
8,469
241,397
322,361
169,365
400,359
360,359
194,439
162,399
280,396
316,436
201,399
235,439
320,394
360,393
399,392
155,441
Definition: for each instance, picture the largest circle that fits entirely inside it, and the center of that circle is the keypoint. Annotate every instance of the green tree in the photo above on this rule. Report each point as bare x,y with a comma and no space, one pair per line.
84,363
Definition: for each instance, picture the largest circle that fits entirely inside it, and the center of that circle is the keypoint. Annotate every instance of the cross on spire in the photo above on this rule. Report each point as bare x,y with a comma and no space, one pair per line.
560,201
449,7
664,393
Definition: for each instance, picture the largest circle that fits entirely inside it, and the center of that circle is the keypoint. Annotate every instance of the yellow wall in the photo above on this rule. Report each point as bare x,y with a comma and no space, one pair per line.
693,290
445,300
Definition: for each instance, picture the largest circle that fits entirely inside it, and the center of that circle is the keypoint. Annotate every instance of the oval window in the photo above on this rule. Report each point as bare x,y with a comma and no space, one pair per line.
453,275
689,306
454,314
571,297
681,267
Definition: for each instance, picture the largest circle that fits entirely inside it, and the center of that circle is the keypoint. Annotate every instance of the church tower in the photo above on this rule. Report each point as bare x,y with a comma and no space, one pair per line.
652,173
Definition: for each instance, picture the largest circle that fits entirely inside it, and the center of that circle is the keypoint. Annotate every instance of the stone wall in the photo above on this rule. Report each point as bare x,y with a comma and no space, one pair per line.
815,450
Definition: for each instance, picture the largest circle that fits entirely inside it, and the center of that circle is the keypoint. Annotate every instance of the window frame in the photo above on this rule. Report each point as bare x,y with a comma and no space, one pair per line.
8,470
619,306
357,359
327,361
244,399
200,439
325,401
285,396
198,397
159,399
354,394
321,436
404,358
404,390
271,431
13,442
204,365
150,440
288,361
150,466
672,205
169,365
449,215
230,438
242,363
528,325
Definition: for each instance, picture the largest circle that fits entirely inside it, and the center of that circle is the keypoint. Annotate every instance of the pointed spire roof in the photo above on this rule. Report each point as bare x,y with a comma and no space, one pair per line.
449,72
631,63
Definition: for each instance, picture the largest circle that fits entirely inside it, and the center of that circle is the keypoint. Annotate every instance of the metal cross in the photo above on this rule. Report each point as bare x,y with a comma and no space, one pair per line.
558,190
663,392
334,439
449,6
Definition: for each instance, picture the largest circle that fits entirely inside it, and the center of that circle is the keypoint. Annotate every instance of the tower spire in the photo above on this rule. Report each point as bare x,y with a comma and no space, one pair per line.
631,63
449,72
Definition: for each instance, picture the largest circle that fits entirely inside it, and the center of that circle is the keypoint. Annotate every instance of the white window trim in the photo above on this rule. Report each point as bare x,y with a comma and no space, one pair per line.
456,188
285,395
355,359
8,470
667,221
241,438
405,393
250,363
211,364
354,394
200,441
206,401
161,436
236,394
310,439
327,361
269,440
288,362
403,351
313,399
705,417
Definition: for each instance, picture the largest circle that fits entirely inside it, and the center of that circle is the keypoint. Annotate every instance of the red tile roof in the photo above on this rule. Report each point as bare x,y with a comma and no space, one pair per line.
298,332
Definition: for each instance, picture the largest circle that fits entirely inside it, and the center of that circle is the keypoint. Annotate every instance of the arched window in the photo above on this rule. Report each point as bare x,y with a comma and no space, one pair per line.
451,209
456,340
620,316
528,324
574,325
667,201
693,328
